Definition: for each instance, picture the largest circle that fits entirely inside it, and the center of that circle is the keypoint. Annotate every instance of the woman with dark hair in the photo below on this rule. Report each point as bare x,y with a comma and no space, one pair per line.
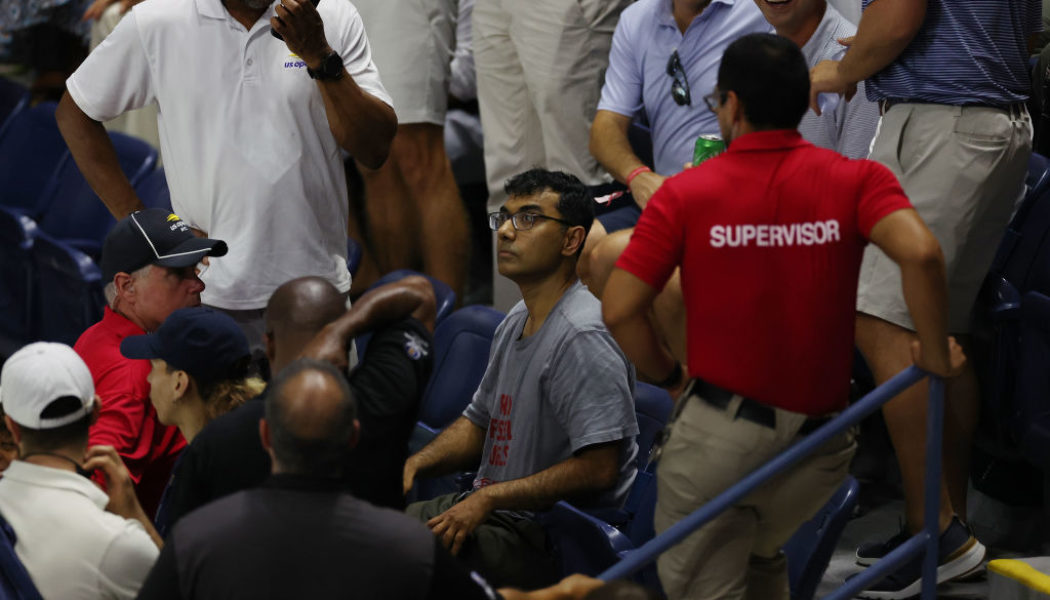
200,361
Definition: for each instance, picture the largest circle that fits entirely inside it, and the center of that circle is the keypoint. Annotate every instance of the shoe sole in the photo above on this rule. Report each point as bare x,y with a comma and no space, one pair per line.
962,563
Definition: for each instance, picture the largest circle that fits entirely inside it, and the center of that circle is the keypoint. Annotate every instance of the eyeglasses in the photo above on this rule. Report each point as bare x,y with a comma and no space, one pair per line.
522,221
714,100
680,85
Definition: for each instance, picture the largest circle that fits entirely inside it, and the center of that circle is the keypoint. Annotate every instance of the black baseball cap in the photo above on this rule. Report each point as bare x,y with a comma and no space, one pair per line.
154,236
203,342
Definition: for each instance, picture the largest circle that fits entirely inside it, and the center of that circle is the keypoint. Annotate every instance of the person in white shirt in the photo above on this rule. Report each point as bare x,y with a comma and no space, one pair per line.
75,541
251,130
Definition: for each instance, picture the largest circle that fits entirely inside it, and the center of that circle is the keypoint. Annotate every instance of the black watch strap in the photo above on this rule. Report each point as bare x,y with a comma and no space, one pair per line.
331,68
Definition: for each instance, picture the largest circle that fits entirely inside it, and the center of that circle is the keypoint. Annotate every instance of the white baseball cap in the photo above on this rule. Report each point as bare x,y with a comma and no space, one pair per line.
39,374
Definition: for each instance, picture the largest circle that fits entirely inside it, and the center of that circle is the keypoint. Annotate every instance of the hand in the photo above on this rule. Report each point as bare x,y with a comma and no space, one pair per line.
847,41
577,586
408,476
644,185
945,366
125,5
122,499
329,347
301,26
457,523
825,79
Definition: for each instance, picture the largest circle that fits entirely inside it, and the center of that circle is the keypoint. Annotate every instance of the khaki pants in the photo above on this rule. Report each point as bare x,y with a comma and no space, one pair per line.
963,169
737,555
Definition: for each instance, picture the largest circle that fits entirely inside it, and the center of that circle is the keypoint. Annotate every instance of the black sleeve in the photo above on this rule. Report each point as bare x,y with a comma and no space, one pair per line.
189,486
394,371
452,579
162,583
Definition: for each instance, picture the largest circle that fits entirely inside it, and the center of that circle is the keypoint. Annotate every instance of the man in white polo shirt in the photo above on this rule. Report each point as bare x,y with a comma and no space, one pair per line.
71,546
251,129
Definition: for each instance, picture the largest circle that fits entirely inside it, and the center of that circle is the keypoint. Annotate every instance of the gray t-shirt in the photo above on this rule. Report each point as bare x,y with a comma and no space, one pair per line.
546,396
845,127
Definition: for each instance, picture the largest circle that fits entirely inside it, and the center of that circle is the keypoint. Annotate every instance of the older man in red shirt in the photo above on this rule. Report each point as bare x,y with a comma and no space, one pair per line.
150,263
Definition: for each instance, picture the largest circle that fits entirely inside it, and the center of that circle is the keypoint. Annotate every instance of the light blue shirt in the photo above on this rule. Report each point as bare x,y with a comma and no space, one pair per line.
637,78
845,127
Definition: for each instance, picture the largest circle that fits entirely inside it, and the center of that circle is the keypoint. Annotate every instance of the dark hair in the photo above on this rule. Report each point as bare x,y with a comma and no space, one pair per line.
770,76
321,449
70,434
575,202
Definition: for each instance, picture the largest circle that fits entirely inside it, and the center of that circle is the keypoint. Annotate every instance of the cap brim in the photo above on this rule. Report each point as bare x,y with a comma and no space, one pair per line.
139,347
191,252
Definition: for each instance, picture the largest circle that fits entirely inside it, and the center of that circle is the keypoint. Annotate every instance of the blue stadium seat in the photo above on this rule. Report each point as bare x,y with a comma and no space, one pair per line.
1032,380
15,583
153,190
16,280
68,290
30,150
353,255
72,211
461,351
652,406
809,550
445,297
13,98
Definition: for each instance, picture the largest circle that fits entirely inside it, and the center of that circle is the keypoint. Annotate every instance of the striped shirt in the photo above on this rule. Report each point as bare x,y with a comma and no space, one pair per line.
966,52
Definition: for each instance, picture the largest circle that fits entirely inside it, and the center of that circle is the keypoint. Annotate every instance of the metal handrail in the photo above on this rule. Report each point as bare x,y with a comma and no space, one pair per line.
925,541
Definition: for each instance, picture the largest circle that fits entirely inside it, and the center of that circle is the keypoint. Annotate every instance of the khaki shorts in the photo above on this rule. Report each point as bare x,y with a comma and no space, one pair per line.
737,554
963,169
412,45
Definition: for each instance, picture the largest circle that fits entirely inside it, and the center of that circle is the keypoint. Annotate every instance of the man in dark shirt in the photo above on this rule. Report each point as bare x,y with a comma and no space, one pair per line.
300,536
308,316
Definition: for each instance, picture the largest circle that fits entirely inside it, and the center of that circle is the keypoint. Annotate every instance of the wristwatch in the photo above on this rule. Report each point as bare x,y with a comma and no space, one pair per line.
331,68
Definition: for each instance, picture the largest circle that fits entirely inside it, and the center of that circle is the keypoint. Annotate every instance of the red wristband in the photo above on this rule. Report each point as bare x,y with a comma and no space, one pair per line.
636,173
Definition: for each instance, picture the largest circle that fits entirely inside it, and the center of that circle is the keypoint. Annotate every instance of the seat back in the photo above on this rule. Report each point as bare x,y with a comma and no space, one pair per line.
582,543
13,98
73,212
15,583
461,355
68,290
1022,257
16,280
153,190
30,150
809,550
1032,380
652,407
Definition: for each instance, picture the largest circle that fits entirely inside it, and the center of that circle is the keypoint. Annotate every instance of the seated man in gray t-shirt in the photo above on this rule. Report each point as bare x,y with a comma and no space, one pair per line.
553,418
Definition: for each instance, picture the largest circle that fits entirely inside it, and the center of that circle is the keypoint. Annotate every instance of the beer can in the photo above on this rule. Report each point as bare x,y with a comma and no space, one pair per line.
707,146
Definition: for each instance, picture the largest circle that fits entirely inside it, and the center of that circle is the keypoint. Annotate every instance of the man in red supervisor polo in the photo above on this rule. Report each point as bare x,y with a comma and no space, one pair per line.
769,238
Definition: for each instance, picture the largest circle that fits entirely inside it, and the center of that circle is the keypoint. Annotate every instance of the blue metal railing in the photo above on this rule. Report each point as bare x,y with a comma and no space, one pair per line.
926,540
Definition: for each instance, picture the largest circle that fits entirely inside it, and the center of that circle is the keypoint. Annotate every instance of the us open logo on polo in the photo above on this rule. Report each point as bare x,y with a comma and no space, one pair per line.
415,346
294,62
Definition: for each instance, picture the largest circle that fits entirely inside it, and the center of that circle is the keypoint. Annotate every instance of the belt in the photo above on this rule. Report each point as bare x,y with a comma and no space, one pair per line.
750,410
1014,109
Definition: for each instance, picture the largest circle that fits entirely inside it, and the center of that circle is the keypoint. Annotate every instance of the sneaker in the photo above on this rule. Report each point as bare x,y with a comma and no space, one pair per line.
959,551
872,552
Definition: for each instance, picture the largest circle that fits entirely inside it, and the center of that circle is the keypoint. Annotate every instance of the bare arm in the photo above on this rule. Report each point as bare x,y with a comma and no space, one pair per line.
573,587
411,296
362,124
97,159
591,471
458,447
885,30
626,309
610,147
904,237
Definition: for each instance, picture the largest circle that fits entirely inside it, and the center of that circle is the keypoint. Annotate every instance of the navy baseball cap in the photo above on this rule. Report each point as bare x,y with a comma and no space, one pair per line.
153,236
203,342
